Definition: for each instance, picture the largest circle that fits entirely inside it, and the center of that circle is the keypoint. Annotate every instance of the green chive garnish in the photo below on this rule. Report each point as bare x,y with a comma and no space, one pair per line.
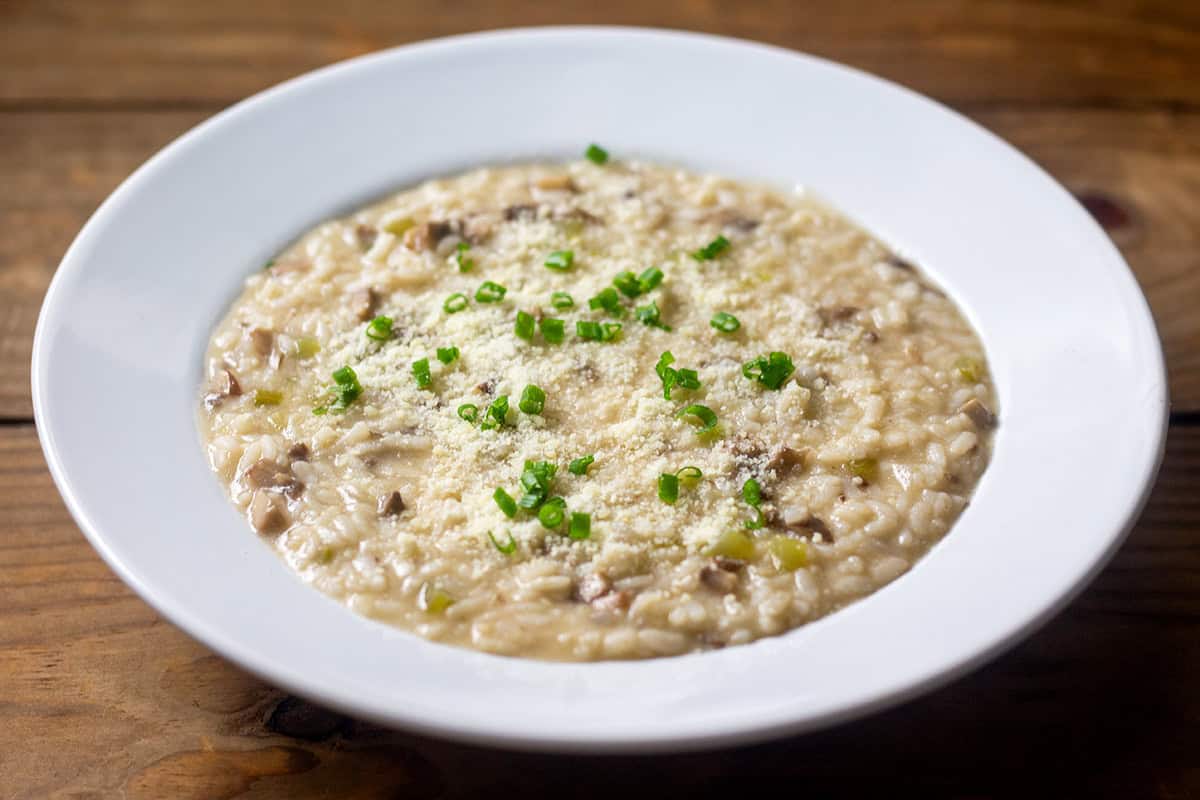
650,315
447,355
581,526
772,370
725,323
524,327
420,371
551,513
609,300
379,329
580,465
628,284
536,479
650,279
496,414
712,249
690,474
590,331
704,418
668,488
610,331
490,292
506,503
596,154
562,301
469,412
464,264
533,400
506,549
346,390
752,494
560,260
552,330
455,303
671,377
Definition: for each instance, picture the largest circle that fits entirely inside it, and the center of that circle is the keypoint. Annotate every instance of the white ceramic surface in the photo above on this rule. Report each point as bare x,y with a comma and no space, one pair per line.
1073,349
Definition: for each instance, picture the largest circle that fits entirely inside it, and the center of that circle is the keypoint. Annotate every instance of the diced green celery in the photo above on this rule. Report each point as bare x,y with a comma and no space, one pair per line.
969,369
399,226
788,554
267,397
433,600
865,468
733,544
307,347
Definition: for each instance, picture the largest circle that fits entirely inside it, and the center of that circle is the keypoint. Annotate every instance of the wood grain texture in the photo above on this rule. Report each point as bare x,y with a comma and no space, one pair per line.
1101,703
963,51
1141,168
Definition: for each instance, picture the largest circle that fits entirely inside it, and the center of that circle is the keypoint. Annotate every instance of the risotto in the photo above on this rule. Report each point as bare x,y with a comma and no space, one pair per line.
600,410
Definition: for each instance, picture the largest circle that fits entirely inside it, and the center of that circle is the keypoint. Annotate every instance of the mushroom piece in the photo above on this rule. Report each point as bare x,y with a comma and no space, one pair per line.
391,505
718,579
268,512
785,459
427,235
363,303
979,414
262,340
521,211
266,474
900,263
611,603
365,235
298,452
227,385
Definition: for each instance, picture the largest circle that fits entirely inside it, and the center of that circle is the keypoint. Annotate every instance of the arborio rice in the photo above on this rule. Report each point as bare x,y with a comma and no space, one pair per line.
820,421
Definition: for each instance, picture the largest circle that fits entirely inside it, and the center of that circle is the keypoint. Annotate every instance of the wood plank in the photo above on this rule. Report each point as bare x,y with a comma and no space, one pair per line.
1102,702
1141,170
962,51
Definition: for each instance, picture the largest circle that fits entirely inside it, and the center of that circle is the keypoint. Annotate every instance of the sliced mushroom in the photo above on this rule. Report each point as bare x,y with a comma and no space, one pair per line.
365,235
718,579
488,387
786,459
899,263
266,474
978,413
262,340
298,452
555,183
227,385
521,211
591,587
580,215
363,303
427,235
268,512
391,505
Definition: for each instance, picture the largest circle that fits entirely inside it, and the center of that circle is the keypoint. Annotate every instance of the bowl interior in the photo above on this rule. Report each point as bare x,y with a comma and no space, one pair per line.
1071,343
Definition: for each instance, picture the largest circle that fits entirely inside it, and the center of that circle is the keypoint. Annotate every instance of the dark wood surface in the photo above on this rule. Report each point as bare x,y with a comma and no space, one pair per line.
99,697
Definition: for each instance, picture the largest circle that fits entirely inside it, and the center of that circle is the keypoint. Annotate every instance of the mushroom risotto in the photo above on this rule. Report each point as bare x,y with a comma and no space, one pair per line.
596,411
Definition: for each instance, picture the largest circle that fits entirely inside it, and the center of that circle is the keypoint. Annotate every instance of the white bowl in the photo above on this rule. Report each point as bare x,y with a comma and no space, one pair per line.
1073,349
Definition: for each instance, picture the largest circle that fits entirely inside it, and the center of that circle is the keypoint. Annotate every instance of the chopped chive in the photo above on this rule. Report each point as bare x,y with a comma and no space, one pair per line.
524,326
560,260
610,331
420,371
591,331
628,284
433,600
536,479
580,465
771,370
266,397
464,264
552,330
562,301
725,323
269,264
650,315
609,300
496,414
689,474
752,494
506,549
671,377
379,329
581,526
447,355
505,502
346,390
650,279
552,512
596,154
455,303
469,412
706,420
533,400
712,249
489,292
668,488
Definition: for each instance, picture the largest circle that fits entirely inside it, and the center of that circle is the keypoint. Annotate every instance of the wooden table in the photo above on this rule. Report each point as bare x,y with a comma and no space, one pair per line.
99,697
